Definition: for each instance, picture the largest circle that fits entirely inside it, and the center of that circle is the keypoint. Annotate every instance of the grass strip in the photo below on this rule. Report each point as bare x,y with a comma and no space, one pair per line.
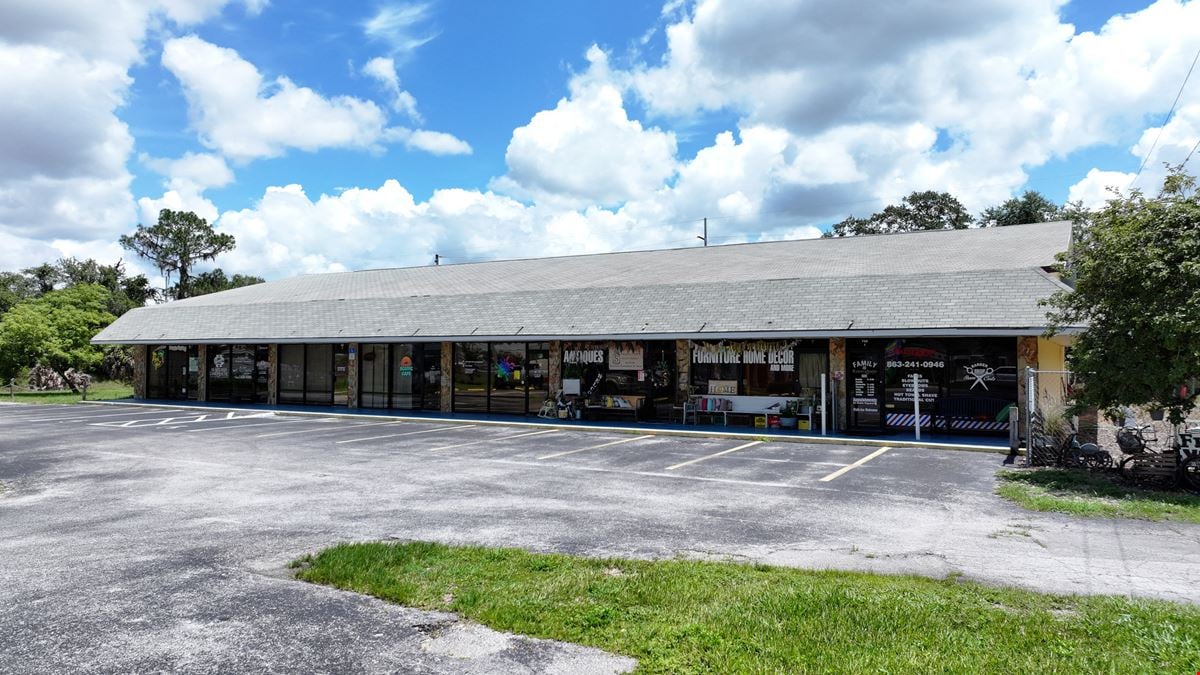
97,391
691,616
1081,493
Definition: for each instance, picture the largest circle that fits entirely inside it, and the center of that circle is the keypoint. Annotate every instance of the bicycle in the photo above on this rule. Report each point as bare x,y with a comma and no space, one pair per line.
1072,453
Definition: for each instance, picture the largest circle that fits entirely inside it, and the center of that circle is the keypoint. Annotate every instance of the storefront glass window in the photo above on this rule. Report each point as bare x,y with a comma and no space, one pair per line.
471,365
172,372
291,374
238,373
759,368
318,375
372,379
538,374
508,377
964,384
431,366
404,378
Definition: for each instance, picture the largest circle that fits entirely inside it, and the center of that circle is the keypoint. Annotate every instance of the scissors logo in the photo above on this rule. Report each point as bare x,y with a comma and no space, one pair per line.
982,373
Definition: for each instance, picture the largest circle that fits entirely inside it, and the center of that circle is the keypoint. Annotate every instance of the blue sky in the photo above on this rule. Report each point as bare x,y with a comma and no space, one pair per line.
563,127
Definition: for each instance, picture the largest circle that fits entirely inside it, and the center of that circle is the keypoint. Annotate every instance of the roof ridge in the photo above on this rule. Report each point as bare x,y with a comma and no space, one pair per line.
685,248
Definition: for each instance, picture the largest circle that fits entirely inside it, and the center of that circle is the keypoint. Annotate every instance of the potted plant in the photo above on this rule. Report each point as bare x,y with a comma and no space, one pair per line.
805,403
787,414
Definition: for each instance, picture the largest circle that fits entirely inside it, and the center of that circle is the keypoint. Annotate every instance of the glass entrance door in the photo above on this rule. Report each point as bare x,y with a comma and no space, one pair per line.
341,375
508,378
538,375
172,372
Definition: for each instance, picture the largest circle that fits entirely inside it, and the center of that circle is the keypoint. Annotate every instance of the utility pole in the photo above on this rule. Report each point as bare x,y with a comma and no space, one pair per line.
705,237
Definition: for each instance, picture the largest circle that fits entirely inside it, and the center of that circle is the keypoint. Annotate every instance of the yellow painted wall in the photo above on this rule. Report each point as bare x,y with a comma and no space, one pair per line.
1052,387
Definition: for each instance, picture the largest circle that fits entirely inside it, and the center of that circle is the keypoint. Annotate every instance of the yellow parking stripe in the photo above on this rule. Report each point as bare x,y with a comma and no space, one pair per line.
855,465
715,454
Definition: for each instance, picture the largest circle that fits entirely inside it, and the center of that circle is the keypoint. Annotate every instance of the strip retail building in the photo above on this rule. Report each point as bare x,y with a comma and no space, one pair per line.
839,326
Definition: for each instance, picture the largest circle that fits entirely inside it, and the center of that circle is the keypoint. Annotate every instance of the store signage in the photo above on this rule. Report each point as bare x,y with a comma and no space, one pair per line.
779,356
584,356
922,387
724,387
625,359
981,373
864,398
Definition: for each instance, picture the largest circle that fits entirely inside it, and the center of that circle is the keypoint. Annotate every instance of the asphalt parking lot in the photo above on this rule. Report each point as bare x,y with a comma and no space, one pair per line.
154,539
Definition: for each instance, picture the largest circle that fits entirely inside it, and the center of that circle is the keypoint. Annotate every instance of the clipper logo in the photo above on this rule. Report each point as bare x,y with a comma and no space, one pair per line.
982,372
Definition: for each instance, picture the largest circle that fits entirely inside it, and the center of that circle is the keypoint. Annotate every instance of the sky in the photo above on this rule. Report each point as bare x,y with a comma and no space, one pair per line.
351,135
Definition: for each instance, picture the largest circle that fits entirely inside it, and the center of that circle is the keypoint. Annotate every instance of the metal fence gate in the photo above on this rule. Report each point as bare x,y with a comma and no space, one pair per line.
1047,395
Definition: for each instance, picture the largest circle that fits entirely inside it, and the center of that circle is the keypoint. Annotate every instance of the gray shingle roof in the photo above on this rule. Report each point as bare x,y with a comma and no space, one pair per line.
983,280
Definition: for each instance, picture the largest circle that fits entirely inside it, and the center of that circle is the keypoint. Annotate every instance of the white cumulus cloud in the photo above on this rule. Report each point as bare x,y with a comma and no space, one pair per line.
587,147
383,71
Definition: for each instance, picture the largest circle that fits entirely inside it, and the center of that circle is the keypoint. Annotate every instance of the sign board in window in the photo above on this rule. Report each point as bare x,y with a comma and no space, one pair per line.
864,393
571,387
723,387
625,359
584,356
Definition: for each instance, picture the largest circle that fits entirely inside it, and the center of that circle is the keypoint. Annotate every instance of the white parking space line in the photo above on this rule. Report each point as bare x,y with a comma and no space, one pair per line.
715,454
595,447
77,417
501,438
238,426
855,465
407,433
190,418
25,413
329,428
32,407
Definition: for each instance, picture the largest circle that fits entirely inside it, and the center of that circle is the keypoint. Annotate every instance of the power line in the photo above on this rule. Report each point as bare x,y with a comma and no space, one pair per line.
1168,118
1189,155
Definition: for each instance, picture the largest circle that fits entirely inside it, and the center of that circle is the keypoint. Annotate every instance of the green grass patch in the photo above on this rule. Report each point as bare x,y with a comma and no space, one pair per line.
700,617
1081,493
97,391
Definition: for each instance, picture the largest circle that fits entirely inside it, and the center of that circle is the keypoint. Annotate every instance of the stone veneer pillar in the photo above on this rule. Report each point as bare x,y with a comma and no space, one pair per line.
837,364
202,373
447,403
352,375
683,370
555,367
139,370
1027,357
272,374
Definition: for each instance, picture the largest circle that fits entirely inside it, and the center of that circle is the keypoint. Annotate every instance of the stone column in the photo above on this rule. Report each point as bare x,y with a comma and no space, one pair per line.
352,375
683,369
202,373
140,355
1027,356
837,364
447,376
272,374
555,367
